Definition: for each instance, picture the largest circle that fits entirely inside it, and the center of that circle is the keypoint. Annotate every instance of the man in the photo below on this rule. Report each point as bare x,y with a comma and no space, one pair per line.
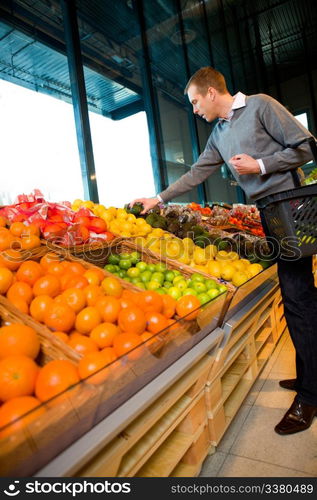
262,144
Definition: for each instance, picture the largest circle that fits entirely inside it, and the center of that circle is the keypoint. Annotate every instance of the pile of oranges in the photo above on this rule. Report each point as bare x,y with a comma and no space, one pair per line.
92,313
19,236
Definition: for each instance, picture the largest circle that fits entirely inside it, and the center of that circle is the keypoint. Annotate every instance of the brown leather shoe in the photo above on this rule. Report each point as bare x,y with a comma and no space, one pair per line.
289,383
297,418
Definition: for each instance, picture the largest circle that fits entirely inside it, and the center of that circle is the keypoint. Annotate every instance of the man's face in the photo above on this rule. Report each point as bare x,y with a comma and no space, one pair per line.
203,106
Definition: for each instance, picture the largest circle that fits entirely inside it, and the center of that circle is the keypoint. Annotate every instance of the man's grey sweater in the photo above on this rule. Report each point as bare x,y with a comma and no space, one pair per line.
263,129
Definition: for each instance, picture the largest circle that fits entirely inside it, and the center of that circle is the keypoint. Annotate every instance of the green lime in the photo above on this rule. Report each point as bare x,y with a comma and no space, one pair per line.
189,291
160,267
203,298
181,285
161,291
145,276
110,268
210,284
169,276
135,281
167,284
174,292
113,259
176,272
117,268
157,276
222,288
197,277
139,284
151,268
124,255
199,287
177,279
213,292
141,265
133,272
125,264
126,278
135,257
152,285
122,273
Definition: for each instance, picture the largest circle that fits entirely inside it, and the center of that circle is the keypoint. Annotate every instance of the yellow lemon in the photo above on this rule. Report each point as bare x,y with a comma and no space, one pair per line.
246,262
189,245
184,258
199,256
131,218
239,265
227,272
255,269
214,268
112,210
121,214
211,251
222,255
238,278
233,256
158,232
88,204
174,249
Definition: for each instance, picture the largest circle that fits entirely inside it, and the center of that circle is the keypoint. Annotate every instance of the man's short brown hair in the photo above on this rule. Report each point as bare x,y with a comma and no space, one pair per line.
207,77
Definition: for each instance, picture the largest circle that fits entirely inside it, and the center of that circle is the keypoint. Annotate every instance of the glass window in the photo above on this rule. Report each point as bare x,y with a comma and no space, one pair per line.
38,146
122,158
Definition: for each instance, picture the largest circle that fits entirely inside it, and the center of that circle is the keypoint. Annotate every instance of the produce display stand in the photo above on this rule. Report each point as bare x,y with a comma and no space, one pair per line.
161,408
169,426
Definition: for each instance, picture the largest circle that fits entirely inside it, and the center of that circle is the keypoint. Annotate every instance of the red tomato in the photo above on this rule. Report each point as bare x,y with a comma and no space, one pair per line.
97,225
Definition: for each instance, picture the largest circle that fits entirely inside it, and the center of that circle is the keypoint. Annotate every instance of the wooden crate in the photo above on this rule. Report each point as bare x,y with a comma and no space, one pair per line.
155,442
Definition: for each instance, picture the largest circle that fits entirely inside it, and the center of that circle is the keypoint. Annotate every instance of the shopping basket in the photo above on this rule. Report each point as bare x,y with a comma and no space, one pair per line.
291,218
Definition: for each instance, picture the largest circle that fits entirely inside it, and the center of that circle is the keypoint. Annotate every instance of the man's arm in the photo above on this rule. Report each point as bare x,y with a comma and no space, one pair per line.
208,162
285,129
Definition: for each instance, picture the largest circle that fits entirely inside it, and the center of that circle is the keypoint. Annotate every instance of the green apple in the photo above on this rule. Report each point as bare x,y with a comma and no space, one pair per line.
167,284
151,268
125,264
133,272
177,279
181,285
222,288
152,285
135,257
160,267
169,276
197,277
145,276
157,276
110,268
190,291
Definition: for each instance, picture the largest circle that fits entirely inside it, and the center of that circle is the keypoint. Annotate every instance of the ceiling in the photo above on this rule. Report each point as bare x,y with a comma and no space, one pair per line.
255,43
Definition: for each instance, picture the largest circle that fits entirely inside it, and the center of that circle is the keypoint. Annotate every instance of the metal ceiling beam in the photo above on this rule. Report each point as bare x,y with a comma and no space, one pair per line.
128,110
80,106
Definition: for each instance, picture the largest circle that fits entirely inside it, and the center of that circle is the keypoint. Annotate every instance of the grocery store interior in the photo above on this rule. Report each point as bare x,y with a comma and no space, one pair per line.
167,329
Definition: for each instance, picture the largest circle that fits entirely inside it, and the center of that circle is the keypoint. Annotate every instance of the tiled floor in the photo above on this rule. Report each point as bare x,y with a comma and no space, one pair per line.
250,447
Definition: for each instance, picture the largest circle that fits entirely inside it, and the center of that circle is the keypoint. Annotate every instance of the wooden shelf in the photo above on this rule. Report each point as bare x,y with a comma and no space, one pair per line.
235,399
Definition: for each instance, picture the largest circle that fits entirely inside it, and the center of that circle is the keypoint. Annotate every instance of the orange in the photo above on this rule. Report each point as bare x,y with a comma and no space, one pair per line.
3,221
13,411
87,319
125,342
29,242
132,319
6,239
29,271
92,294
124,302
20,290
104,334
188,306
73,280
31,230
169,306
48,259
150,301
61,336
76,268
109,308
11,259
6,279
75,298
20,304
112,286
82,344
155,322
56,268
17,376
47,285
55,377
18,339
39,306
95,362
59,317
93,277
17,228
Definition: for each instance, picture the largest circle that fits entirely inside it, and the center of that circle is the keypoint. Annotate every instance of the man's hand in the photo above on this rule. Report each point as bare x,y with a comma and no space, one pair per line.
245,164
148,203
